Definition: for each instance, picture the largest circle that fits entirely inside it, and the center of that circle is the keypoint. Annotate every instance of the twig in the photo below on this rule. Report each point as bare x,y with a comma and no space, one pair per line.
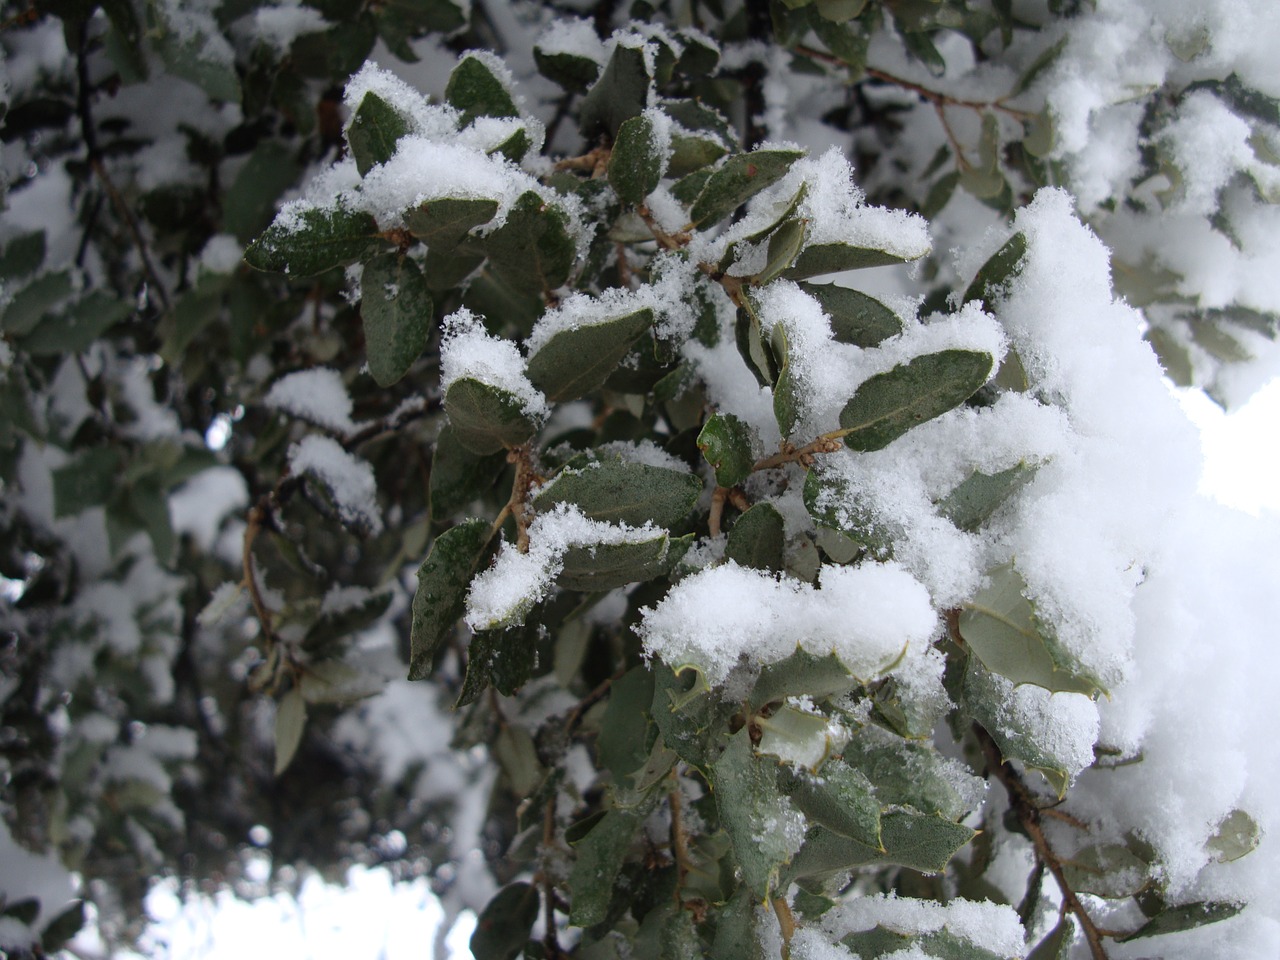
549,939
518,504
250,579
1028,813
679,843
89,132
802,455
937,97
590,700
718,498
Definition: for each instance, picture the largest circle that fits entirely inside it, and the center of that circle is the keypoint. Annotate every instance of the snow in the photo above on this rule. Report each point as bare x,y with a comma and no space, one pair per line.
581,310
317,395
572,37
350,480
199,506
867,616
281,24
992,927
468,351
24,874
1209,144
501,595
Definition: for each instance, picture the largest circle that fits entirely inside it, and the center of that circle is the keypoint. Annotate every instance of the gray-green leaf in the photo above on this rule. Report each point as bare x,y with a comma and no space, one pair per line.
315,240
486,418
573,362
889,404
396,309
855,317
737,180
614,490
725,442
441,596
637,162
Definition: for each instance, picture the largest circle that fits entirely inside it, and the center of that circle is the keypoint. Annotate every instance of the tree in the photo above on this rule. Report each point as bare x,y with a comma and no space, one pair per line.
762,608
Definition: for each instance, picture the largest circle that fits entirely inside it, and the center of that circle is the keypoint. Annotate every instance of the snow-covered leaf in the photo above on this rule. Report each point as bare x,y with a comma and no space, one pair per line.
992,279
739,179
802,674
615,490
839,798
889,404
797,737
765,830
910,773
1110,870
1186,916
374,131
486,418
1237,835
1001,628
576,360
192,46
311,240
855,317
972,503
475,90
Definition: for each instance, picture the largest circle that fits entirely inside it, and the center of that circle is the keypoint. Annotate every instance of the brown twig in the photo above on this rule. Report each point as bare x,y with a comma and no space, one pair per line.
718,498
679,842
519,505
595,161
801,455
1029,813
250,578
549,939
937,97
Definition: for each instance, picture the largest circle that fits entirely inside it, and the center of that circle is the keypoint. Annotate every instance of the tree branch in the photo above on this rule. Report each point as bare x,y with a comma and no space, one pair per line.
1028,813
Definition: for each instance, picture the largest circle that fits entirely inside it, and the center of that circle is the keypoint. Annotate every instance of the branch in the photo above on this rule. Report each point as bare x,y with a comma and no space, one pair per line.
1028,813
802,455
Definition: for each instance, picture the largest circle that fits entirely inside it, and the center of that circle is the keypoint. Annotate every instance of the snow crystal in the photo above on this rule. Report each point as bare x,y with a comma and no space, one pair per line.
809,944
1209,144
221,254
469,351
422,169
642,452
865,615
349,479
317,395
572,37
280,25
580,310
993,927
200,505
501,595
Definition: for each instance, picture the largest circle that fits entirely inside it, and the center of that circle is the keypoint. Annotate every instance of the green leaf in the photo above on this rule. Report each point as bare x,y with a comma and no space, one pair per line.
31,303
604,566
999,625
503,927
24,911
1112,871
458,476
637,162
1187,916
291,721
149,504
820,258
797,737
206,59
441,596
1237,835
62,928
575,74
835,503
991,282
533,249
855,317
600,856
841,799
475,91
736,930
502,659
787,392
315,240
621,92
396,310
1057,945
801,674
917,841
576,361
889,404
692,721
839,11
627,732
1039,141
441,223
486,418
725,442
195,310
614,490
1039,65
739,179
22,255
248,204
911,773
76,328
972,503
86,481
939,194
784,247
332,681
753,813
881,941
374,132
757,539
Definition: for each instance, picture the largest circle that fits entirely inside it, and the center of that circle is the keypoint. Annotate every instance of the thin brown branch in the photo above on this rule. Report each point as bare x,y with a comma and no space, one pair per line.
589,701
250,578
1028,813
801,455
596,162
549,939
937,97
679,842
519,505
718,498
